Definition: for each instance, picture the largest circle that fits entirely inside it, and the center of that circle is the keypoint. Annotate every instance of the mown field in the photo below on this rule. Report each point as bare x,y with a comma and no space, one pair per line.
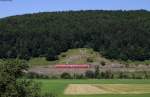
58,87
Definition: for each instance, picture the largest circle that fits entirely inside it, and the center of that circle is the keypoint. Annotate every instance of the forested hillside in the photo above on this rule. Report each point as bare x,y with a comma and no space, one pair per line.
115,34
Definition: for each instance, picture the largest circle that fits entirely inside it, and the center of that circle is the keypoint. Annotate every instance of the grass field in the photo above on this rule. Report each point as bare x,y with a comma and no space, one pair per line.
58,87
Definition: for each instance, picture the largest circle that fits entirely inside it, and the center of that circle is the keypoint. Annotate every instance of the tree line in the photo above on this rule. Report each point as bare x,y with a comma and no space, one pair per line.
115,34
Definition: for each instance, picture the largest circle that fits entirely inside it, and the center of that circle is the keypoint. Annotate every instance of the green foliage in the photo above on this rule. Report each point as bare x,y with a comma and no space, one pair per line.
79,76
146,76
90,59
103,63
9,72
32,75
39,61
66,75
51,54
58,86
27,88
116,34
12,86
89,74
97,71
124,76
12,68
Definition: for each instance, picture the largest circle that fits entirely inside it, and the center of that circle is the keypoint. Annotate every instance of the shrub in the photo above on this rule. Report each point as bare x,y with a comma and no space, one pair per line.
108,75
54,77
127,65
138,77
33,75
89,74
79,76
122,75
66,75
97,71
25,57
147,64
103,63
102,75
99,76
146,75
90,59
63,55
51,54
133,76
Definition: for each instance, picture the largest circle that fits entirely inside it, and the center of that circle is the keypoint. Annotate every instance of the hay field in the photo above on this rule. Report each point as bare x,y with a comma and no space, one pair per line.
59,86
86,89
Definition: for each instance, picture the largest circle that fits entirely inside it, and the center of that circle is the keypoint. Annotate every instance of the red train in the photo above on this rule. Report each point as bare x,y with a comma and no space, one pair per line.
72,66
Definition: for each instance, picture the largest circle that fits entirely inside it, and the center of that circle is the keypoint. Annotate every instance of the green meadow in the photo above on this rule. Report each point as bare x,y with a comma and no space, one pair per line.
58,86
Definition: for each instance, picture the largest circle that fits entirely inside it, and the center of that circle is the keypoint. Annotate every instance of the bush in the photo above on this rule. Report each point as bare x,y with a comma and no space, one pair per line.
102,75
106,75
103,63
97,72
51,54
63,55
66,75
25,57
133,76
27,88
79,76
89,74
90,59
54,77
138,77
51,58
146,76
32,75
99,77
122,75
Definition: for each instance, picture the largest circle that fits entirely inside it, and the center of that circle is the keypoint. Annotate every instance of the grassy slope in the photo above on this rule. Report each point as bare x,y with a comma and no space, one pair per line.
40,61
72,56
80,56
58,86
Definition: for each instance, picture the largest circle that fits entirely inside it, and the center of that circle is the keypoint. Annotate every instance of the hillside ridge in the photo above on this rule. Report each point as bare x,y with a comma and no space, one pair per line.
121,35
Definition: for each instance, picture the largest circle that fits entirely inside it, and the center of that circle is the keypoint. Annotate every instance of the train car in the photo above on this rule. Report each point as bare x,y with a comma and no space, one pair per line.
72,66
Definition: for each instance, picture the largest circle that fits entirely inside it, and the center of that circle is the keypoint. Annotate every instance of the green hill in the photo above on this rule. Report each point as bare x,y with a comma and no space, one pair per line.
115,34
82,56
73,56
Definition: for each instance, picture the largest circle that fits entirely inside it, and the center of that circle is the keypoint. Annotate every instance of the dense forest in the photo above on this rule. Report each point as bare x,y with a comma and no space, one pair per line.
115,34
